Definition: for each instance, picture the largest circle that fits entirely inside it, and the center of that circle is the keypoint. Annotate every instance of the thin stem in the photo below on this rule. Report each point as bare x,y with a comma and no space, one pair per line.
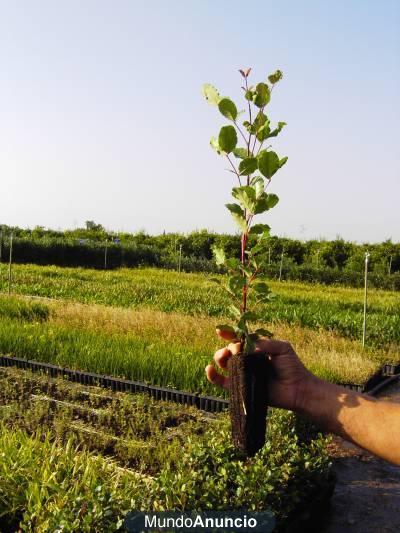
250,119
240,131
234,169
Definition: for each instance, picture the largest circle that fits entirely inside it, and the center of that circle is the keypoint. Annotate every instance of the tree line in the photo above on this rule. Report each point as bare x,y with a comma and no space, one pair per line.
325,261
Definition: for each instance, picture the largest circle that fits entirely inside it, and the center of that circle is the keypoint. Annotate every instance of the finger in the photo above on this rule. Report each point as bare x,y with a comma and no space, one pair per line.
216,378
221,357
273,347
226,335
235,347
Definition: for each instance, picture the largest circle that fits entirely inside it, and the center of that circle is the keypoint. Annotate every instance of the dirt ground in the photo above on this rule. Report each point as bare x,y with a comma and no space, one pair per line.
367,493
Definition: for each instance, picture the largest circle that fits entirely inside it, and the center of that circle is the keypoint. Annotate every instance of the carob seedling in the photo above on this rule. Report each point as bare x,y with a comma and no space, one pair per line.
253,166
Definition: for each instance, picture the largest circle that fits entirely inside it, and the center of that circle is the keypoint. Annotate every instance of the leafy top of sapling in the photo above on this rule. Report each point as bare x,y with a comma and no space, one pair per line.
254,166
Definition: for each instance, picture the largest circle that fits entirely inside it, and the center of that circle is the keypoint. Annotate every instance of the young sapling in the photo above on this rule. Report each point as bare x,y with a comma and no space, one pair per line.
253,165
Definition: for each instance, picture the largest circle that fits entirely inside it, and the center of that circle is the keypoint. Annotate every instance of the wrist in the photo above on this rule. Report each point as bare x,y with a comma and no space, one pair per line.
310,396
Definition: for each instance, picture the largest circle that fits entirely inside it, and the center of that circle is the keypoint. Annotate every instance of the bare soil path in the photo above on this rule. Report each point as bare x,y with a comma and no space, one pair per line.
367,493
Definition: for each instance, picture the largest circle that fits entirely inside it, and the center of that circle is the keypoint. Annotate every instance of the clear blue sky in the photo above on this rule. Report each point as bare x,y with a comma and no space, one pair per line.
101,114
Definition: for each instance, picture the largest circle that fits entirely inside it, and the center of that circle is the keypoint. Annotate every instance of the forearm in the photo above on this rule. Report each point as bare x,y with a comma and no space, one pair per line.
372,424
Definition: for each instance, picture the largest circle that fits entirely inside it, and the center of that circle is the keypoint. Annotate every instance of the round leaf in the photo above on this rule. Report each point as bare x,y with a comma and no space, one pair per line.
248,166
227,139
240,153
268,163
211,94
227,108
262,96
275,77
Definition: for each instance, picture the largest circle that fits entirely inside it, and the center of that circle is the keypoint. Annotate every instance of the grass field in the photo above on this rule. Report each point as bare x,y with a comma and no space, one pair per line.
315,306
158,326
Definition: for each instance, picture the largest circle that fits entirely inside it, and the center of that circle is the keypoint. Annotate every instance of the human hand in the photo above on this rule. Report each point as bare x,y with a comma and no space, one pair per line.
288,378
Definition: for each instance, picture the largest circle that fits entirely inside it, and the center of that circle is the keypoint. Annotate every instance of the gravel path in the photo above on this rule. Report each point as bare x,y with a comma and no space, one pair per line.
367,493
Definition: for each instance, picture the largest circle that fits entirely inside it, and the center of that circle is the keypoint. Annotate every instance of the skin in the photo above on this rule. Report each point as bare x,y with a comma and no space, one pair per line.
370,423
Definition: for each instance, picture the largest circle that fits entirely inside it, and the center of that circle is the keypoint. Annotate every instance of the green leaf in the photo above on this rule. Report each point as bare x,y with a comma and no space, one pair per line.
268,163
261,287
275,77
227,108
235,208
235,311
238,215
249,345
265,202
241,222
272,200
246,196
263,332
249,94
260,120
263,133
227,138
277,130
262,96
226,328
241,153
259,229
214,144
232,263
236,283
282,161
246,271
258,184
219,255
248,166
211,94
250,316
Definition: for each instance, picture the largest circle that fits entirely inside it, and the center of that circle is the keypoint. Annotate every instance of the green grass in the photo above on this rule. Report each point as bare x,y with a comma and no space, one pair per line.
153,361
313,306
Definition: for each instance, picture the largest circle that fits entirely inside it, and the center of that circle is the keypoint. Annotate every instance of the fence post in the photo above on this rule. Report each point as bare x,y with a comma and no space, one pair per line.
365,299
180,258
390,264
281,265
105,255
10,264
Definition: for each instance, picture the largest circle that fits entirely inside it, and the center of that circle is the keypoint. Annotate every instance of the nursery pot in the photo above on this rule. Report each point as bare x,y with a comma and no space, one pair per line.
248,400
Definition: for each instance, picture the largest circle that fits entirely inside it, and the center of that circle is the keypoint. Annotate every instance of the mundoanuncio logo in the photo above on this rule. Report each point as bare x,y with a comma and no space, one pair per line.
210,521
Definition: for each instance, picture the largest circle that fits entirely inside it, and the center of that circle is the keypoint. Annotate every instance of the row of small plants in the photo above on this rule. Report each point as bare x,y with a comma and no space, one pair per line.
155,347
83,486
194,294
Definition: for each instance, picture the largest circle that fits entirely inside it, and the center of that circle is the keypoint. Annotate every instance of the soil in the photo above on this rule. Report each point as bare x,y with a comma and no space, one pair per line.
248,401
367,493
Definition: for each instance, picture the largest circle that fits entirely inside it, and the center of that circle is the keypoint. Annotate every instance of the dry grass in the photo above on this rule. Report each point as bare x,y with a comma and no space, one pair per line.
325,353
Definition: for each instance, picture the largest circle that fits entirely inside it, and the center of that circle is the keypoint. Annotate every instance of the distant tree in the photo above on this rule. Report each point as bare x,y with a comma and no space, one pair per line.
92,226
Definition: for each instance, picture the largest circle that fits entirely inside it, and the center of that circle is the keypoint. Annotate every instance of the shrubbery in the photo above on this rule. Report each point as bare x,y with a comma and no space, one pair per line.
328,262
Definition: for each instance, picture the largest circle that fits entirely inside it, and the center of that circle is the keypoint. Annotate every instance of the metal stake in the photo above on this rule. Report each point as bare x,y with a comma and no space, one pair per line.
367,254
10,264
281,266
105,255
180,258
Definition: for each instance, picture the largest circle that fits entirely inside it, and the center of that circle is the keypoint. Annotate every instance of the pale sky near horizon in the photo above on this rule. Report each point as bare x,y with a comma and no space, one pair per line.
102,118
